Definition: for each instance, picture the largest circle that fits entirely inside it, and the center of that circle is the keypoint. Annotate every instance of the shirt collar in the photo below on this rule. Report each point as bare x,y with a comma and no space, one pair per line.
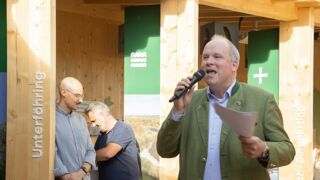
226,95
60,110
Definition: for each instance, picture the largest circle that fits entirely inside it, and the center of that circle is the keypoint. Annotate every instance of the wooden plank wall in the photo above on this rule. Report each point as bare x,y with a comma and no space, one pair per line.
30,86
87,49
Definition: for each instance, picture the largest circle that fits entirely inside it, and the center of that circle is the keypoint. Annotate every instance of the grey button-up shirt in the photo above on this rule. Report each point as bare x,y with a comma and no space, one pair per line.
73,143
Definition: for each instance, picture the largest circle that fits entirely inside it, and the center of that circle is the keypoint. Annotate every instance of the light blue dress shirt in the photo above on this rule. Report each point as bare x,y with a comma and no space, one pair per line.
212,169
73,143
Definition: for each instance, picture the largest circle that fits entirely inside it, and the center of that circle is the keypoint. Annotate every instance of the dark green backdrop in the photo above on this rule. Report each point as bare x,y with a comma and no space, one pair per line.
142,35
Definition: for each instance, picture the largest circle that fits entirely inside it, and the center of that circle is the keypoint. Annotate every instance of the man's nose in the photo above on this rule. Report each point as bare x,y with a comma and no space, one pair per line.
210,61
80,99
93,124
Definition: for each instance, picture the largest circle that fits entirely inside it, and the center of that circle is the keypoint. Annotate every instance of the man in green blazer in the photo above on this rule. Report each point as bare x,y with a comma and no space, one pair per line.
208,148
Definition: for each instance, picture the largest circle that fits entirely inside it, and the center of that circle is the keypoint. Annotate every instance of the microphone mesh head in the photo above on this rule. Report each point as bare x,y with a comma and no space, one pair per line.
199,74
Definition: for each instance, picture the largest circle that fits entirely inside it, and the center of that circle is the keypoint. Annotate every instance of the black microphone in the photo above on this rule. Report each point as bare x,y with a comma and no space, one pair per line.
197,76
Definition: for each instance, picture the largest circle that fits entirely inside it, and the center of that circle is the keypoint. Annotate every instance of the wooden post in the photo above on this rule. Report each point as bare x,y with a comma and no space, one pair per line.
31,89
296,91
179,58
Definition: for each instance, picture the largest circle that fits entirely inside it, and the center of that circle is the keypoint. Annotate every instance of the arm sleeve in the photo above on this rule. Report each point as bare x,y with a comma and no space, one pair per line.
60,168
176,117
90,152
281,149
168,139
123,136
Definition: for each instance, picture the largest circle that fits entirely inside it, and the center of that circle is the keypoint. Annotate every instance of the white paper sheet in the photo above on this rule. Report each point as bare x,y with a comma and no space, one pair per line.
243,123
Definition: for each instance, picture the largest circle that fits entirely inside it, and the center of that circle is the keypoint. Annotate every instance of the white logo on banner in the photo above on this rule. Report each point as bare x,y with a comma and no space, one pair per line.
260,75
138,59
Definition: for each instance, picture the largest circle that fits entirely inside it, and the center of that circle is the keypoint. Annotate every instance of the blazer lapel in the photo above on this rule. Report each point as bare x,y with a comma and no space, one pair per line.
202,118
236,103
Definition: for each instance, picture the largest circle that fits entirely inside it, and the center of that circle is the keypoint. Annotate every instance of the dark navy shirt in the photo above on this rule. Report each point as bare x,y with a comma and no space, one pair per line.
124,165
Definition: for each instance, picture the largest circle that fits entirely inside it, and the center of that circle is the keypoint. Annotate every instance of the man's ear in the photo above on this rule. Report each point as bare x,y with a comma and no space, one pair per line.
235,65
63,93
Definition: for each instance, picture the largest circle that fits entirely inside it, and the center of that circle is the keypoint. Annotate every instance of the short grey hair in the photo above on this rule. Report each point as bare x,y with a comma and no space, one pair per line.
235,55
97,107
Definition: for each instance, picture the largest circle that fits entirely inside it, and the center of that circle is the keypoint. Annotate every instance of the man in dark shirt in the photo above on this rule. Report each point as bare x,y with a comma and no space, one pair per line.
116,149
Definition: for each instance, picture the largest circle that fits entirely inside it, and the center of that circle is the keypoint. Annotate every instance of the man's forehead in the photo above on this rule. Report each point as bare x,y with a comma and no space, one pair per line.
216,45
78,90
218,40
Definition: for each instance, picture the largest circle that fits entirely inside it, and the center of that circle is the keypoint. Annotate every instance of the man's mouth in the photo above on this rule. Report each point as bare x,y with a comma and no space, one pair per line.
211,71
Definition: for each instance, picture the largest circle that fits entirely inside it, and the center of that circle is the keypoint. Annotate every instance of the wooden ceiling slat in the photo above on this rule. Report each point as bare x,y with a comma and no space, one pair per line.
308,3
280,10
126,2
267,13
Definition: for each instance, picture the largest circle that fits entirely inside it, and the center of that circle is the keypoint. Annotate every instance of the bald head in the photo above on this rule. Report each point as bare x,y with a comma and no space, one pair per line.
71,84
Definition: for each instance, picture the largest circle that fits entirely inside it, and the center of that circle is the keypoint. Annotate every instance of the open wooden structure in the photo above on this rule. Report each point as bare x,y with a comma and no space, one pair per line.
47,40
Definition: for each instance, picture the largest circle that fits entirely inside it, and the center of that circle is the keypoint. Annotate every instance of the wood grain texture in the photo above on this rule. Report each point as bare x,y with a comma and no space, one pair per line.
31,49
296,91
87,49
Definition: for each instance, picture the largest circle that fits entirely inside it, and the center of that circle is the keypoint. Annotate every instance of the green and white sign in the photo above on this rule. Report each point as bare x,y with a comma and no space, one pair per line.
142,60
263,60
142,50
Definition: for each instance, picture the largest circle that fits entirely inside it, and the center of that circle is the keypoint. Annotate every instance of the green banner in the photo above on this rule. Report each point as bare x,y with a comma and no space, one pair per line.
3,36
263,60
142,50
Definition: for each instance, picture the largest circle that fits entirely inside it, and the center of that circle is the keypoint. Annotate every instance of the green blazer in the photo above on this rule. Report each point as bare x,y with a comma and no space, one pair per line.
189,137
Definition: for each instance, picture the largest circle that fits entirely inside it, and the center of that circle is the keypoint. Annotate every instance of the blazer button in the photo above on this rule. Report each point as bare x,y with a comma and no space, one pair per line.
204,159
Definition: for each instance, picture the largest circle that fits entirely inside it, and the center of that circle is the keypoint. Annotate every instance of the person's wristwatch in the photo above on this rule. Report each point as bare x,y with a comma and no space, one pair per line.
264,158
84,169
265,153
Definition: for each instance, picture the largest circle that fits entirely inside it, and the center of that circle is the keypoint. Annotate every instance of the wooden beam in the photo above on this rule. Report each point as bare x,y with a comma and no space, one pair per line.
317,17
308,3
179,58
296,91
123,1
31,89
280,10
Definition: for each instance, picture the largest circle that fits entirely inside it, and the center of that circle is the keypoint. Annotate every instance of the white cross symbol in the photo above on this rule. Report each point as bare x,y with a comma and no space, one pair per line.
260,75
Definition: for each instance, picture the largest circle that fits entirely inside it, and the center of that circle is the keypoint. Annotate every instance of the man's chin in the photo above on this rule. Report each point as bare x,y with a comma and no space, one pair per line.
94,130
76,107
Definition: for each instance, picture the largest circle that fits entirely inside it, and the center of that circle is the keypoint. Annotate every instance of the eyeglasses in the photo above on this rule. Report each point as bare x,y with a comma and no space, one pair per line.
77,95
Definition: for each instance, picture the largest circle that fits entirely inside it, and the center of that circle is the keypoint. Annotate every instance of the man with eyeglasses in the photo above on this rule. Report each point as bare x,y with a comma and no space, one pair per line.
75,154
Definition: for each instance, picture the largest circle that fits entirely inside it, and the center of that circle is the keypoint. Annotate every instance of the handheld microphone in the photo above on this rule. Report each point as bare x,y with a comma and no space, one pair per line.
197,76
